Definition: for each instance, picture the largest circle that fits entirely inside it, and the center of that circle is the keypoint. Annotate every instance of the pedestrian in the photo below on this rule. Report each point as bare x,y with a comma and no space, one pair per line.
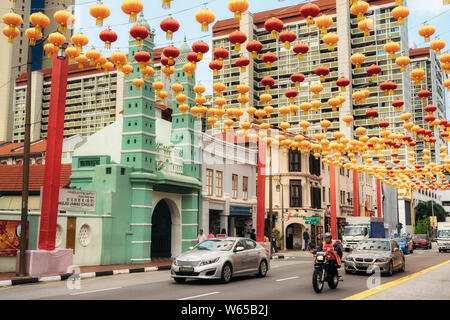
201,237
274,243
253,235
266,238
306,238
211,235
224,231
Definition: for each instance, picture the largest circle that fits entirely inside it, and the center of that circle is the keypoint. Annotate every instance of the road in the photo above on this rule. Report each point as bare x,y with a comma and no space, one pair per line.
287,280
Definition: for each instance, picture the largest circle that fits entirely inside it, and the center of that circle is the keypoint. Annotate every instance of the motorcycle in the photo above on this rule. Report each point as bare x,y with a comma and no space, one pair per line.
325,270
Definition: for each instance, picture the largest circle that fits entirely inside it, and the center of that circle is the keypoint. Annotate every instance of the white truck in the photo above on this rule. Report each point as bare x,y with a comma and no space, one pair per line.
443,236
361,228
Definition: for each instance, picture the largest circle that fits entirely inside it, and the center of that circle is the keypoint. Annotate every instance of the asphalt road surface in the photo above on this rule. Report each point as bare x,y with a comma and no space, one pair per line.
287,280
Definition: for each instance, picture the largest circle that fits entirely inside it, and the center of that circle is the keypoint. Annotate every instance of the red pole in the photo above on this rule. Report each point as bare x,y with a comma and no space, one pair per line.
355,193
333,203
379,208
261,192
55,136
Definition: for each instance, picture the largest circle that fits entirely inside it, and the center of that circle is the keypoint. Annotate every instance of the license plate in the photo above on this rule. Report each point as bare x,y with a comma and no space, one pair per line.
186,269
360,265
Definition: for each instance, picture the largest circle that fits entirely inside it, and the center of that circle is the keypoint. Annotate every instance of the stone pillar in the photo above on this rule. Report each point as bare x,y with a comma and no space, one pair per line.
190,219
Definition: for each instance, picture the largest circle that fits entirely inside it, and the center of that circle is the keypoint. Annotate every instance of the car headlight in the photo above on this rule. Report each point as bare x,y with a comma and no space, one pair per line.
349,259
319,258
382,260
175,262
209,261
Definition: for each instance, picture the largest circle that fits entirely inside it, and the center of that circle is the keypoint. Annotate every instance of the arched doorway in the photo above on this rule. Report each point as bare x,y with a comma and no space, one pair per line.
161,231
294,236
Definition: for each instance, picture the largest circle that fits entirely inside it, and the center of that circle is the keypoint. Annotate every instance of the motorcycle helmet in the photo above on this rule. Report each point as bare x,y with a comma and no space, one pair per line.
327,235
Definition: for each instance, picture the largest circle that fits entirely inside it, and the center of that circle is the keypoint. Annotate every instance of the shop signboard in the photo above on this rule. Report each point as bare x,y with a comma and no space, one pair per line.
77,200
10,237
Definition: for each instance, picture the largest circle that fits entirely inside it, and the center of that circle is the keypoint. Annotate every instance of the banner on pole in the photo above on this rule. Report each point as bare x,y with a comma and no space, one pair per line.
10,237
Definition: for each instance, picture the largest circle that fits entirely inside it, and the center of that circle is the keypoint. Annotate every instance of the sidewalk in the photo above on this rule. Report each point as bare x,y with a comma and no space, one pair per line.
96,271
292,253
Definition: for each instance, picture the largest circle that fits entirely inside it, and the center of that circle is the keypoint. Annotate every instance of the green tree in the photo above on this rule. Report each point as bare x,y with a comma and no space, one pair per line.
423,227
423,210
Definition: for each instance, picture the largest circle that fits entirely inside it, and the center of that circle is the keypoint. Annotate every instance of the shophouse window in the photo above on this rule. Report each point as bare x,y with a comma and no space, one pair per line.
245,188
314,165
219,181
316,201
209,182
235,186
295,193
295,158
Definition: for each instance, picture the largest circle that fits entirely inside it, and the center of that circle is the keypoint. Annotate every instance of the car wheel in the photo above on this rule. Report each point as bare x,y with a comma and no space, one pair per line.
262,271
347,271
403,268
227,272
390,271
180,280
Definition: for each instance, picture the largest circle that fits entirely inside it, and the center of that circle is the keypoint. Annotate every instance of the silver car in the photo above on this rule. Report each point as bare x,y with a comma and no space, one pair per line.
221,259
371,253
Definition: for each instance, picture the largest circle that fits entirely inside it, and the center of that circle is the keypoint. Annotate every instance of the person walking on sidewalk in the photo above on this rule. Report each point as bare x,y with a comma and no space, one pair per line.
306,238
211,235
201,237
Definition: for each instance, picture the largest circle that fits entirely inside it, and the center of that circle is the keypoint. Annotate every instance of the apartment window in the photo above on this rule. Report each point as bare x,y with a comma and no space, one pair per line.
245,188
295,193
295,158
209,181
234,181
316,201
219,181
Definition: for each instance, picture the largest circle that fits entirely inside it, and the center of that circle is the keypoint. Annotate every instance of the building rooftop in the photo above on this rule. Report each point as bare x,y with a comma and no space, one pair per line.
419,53
11,177
13,149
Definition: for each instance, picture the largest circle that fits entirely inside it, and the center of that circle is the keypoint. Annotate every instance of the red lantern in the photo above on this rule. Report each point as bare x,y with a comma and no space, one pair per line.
423,94
108,37
140,33
269,58
169,26
309,11
237,38
215,66
172,53
142,57
342,82
383,124
388,87
297,78
430,109
287,37
397,104
372,114
166,62
192,57
300,49
242,63
254,47
322,72
373,71
200,48
267,82
274,26
220,54
291,95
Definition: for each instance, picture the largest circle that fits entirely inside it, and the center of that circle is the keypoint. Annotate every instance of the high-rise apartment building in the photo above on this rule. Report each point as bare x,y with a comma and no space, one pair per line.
94,100
15,56
426,59
351,40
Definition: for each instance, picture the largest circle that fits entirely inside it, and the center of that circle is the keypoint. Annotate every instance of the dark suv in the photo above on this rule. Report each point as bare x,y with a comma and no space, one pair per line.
421,241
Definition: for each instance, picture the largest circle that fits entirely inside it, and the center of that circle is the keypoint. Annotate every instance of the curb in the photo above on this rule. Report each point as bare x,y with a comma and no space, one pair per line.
86,275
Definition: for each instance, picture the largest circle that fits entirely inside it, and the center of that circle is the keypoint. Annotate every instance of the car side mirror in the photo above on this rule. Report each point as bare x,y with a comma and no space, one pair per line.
238,249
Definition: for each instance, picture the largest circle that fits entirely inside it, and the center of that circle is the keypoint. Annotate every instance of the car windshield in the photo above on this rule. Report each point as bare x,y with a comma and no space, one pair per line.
354,231
401,240
420,236
215,245
444,234
374,245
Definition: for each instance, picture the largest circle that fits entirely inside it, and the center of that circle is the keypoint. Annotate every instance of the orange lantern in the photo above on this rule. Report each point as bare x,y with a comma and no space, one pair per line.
238,7
316,104
334,103
293,108
330,39
426,31
63,18
108,67
132,8
205,17
269,110
284,111
100,61
51,50
81,59
57,39
147,72
406,116
251,111
220,102
366,25
11,34
40,21
265,99
72,53
80,40
119,59
127,69
391,47
199,89
189,68
99,11
316,88
304,125
219,87
325,124
323,22
158,86
306,106
163,95
417,75
12,20
359,9
33,34
138,83
348,120
358,59
437,45
400,13
403,62
92,55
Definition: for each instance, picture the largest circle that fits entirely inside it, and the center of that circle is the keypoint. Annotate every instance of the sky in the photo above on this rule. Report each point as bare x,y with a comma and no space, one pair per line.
429,11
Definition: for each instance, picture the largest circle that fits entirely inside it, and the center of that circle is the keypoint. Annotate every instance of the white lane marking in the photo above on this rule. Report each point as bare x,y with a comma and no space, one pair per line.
199,296
287,279
75,294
